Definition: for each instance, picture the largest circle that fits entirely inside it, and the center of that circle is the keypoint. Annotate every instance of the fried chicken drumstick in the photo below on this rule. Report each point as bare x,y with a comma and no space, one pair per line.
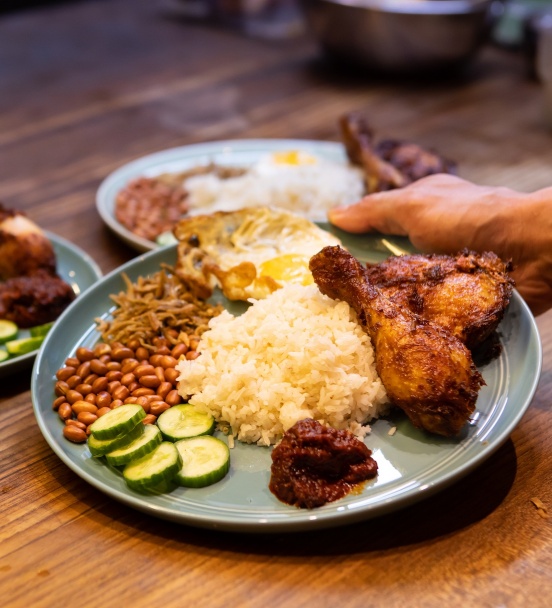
466,294
427,372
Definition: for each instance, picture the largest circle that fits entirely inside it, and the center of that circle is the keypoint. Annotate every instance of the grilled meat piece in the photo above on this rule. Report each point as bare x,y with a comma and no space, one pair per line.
34,300
24,248
390,163
426,371
466,294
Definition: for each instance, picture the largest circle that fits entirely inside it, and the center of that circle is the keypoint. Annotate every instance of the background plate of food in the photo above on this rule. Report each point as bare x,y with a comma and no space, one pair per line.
142,200
32,303
412,464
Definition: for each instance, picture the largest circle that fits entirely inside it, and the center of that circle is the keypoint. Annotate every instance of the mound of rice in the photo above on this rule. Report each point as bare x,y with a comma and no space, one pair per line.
308,190
295,354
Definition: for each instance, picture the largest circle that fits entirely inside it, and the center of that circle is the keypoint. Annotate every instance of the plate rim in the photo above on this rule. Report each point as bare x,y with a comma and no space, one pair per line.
292,520
137,166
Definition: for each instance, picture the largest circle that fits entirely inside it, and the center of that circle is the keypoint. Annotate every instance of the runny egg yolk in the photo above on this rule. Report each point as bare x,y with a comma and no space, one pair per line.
293,157
290,267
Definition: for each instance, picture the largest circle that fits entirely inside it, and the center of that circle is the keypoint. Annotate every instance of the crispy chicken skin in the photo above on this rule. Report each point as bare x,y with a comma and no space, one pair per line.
390,163
426,371
467,293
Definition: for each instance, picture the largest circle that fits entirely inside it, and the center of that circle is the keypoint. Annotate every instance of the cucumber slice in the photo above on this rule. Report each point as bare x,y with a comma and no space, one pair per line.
3,355
101,447
40,330
205,460
23,345
118,421
166,238
8,330
148,440
158,466
183,421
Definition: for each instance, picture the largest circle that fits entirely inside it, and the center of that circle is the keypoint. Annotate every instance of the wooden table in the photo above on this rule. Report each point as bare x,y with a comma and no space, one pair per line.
88,86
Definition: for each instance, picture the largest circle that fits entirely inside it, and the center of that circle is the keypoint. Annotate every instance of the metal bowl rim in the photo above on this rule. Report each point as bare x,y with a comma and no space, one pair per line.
414,7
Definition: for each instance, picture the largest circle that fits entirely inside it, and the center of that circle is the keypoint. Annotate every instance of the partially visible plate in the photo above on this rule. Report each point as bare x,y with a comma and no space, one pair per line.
412,464
77,269
241,153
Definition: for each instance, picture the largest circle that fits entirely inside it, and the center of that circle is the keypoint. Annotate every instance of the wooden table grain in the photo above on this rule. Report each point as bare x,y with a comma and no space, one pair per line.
88,86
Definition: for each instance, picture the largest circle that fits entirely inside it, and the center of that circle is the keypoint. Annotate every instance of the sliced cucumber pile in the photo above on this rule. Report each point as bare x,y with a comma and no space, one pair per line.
14,345
150,458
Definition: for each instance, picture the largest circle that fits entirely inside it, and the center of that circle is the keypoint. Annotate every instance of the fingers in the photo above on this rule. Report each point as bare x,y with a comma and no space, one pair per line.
376,212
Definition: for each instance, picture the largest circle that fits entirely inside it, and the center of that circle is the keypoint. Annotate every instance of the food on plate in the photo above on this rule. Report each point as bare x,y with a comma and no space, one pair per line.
249,253
36,299
152,461
97,380
158,306
294,180
151,206
24,248
427,371
389,163
293,355
31,292
316,464
467,293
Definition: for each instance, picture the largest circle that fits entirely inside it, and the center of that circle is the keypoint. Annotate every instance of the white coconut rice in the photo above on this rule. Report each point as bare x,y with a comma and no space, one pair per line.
295,354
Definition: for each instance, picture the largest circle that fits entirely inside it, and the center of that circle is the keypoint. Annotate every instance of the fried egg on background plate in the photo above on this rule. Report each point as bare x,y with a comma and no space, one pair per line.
248,253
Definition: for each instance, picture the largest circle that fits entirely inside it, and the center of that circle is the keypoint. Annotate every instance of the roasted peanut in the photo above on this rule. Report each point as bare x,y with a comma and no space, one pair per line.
140,392
144,370
98,367
167,361
164,389
113,366
102,349
77,423
74,434
102,411
173,398
127,379
73,396
158,407
65,411
121,392
142,353
114,375
87,418
58,402
83,369
90,379
74,381
156,359
149,419
83,389
150,381
121,352
84,406
72,362
100,384
129,365
179,350
85,354
191,355
171,375
103,399
65,372
91,398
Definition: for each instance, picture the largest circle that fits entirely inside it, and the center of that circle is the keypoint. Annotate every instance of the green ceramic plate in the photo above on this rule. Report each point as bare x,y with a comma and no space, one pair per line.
412,465
76,268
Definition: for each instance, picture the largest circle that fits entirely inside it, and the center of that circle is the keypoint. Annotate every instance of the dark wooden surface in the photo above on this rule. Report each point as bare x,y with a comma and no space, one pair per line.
86,87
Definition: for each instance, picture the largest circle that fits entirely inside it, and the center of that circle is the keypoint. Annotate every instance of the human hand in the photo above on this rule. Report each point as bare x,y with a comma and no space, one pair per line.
444,214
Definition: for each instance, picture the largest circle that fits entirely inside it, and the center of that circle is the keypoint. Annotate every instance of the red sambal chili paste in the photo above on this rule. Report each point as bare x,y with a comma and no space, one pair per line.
315,464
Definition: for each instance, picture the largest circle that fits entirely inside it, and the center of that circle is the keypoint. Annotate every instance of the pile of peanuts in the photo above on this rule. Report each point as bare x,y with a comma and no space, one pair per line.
97,380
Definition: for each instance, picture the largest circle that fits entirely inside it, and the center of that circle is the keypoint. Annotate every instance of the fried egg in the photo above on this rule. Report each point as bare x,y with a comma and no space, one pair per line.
247,253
